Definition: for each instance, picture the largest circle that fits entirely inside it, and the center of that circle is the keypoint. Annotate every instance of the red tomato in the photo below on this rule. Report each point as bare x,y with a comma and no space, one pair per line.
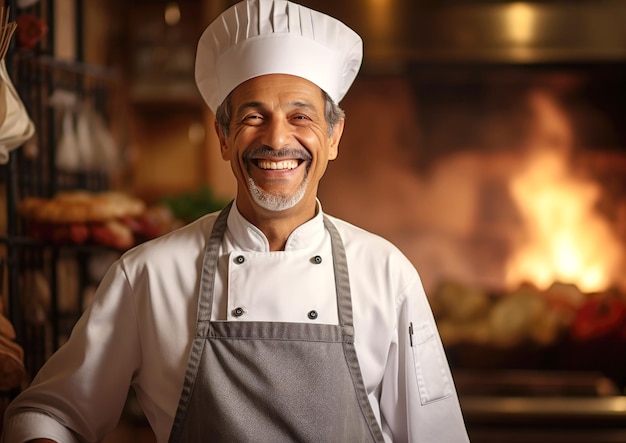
29,30
598,317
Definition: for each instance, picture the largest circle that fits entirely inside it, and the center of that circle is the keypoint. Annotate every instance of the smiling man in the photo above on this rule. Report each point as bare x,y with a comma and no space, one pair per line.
270,320
279,143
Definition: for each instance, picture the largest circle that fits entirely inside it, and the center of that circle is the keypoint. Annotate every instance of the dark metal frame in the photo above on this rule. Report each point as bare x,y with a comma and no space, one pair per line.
36,74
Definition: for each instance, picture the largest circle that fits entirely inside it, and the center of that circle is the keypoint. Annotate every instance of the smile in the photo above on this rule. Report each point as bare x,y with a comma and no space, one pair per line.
277,165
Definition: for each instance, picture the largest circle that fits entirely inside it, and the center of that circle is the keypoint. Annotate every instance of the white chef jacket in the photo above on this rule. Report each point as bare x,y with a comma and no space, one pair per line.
139,329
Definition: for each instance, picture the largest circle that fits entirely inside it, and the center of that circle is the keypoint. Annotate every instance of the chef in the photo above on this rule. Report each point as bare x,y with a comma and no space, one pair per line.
269,321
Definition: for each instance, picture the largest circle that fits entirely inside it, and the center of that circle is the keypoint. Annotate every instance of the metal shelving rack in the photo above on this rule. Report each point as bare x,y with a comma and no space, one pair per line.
36,74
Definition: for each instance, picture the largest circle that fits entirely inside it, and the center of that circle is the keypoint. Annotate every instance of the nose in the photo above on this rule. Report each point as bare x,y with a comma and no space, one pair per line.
277,133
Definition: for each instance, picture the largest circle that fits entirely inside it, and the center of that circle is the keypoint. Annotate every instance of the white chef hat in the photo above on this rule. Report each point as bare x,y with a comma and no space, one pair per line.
258,37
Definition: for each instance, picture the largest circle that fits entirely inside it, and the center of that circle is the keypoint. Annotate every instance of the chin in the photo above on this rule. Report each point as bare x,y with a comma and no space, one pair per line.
273,202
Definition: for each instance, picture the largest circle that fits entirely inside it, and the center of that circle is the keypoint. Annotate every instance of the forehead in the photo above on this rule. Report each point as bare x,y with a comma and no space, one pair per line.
273,89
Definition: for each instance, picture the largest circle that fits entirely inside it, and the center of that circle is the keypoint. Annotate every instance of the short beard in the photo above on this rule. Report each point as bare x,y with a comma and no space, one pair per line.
273,202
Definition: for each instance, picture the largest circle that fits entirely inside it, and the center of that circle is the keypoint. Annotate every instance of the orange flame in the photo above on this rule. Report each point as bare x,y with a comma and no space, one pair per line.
566,239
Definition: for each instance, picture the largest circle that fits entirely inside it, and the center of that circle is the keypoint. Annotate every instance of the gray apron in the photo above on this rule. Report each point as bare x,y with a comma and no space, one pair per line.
273,381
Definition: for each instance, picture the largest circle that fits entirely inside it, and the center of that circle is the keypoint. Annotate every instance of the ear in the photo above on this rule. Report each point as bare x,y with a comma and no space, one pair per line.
222,138
333,148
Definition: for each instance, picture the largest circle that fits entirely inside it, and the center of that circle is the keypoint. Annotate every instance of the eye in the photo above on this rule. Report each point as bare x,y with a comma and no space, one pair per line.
299,118
252,119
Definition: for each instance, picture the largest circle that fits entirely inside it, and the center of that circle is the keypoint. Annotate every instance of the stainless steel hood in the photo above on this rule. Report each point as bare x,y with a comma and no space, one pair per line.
397,32
554,31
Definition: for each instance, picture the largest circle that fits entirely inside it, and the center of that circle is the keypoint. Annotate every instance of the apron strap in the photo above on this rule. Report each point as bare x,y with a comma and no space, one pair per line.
344,305
209,268
205,305
342,277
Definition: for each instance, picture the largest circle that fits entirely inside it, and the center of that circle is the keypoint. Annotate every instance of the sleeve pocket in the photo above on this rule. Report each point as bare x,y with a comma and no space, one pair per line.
433,380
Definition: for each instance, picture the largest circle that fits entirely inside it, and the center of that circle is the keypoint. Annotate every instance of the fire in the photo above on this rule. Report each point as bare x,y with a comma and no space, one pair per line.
566,240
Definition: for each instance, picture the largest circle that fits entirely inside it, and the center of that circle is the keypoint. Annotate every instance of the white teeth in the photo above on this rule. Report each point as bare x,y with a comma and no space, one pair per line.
286,164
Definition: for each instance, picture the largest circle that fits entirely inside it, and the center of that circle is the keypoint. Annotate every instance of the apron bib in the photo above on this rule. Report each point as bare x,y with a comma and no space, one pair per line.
273,381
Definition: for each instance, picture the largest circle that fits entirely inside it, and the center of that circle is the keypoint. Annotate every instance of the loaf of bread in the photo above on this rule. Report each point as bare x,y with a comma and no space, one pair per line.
81,207
109,218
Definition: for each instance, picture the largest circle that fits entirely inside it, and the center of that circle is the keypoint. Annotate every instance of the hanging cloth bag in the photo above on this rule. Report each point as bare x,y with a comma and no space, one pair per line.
16,127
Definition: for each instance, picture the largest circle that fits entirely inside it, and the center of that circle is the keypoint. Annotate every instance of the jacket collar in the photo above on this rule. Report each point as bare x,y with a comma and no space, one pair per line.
245,236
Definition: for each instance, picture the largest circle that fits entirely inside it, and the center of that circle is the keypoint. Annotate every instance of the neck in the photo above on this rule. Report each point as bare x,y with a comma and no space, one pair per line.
278,226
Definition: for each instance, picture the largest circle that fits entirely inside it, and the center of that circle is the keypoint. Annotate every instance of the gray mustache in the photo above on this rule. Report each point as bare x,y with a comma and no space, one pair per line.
265,152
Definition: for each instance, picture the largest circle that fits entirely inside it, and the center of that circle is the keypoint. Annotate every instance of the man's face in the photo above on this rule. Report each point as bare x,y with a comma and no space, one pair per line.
278,144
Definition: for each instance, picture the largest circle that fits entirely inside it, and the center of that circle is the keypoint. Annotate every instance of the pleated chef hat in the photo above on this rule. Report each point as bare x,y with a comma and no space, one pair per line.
258,37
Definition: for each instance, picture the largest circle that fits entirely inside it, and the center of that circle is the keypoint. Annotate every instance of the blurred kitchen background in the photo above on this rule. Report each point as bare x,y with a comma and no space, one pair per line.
485,138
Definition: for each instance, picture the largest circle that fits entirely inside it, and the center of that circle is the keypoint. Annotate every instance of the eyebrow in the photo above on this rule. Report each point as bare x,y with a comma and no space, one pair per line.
299,104
244,106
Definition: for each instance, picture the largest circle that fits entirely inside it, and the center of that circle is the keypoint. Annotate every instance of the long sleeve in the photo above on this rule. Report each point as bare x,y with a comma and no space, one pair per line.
82,388
418,398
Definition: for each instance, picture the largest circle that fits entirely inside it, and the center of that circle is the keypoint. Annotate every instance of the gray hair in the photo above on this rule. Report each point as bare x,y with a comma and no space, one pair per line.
332,112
